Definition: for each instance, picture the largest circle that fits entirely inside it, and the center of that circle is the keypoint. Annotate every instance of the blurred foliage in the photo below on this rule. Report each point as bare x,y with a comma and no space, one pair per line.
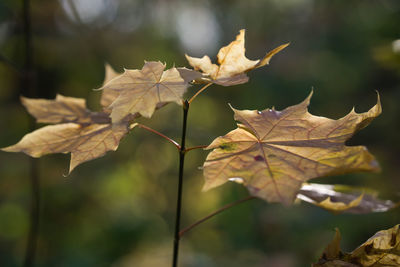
119,210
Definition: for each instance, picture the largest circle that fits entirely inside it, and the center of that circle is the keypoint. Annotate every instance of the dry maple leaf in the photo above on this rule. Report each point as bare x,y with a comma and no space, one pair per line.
62,109
275,152
108,96
343,198
141,91
232,61
87,135
382,249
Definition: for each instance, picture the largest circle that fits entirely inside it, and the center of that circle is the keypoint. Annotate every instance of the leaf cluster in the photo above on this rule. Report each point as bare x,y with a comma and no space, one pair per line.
273,153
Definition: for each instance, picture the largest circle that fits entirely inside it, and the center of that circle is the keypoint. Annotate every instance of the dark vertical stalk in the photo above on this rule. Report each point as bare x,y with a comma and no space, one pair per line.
29,89
180,184
30,251
27,45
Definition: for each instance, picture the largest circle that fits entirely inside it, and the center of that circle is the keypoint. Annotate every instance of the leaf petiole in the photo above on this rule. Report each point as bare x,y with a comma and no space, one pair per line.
195,147
227,206
160,134
198,92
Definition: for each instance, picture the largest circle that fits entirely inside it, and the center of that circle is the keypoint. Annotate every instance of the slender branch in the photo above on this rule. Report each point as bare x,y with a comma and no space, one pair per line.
160,134
31,245
180,185
28,46
198,92
230,205
194,147
29,89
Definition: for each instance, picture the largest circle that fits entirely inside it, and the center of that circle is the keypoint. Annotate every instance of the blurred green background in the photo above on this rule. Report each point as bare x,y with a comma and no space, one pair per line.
119,210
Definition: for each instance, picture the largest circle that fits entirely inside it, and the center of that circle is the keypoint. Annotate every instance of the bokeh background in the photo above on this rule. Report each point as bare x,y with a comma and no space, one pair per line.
119,210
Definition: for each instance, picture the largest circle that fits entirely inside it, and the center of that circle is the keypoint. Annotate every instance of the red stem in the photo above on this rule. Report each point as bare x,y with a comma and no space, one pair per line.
198,92
230,205
160,134
194,147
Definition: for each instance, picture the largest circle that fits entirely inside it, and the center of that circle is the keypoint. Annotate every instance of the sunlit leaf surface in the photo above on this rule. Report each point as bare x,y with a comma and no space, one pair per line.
275,152
108,96
86,135
141,91
232,63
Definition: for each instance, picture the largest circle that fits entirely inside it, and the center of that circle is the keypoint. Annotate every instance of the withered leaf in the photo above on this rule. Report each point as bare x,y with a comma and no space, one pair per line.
232,61
86,135
339,206
275,152
332,253
343,198
382,249
141,91
108,96
62,109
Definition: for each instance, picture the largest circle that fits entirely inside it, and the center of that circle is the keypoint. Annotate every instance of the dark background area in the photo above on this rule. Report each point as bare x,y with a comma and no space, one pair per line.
119,210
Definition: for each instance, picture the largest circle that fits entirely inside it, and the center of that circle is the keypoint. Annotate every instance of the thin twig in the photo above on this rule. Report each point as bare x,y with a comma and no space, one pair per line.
180,185
30,253
194,147
198,92
230,205
29,89
160,134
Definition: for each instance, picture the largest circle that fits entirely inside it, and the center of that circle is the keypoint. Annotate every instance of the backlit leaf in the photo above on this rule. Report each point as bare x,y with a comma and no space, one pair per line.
141,91
341,198
275,152
382,249
232,61
108,96
86,135
62,109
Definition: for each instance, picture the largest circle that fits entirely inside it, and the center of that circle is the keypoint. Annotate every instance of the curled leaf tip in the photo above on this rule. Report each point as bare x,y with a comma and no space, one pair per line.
230,105
343,198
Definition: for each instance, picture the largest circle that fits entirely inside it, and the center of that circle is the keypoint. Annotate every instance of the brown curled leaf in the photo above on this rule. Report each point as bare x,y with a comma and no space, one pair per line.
232,63
342,198
338,207
275,152
382,249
